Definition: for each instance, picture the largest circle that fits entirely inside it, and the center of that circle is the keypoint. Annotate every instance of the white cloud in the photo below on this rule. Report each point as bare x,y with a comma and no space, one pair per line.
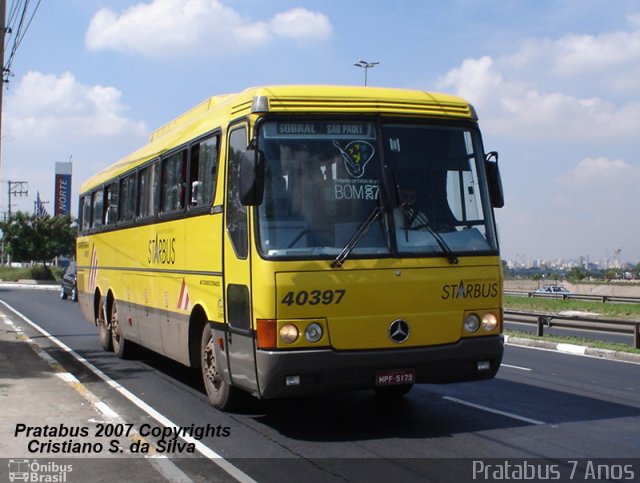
299,23
172,27
475,79
598,201
579,87
591,172
50,118
581,54
550,101
43,105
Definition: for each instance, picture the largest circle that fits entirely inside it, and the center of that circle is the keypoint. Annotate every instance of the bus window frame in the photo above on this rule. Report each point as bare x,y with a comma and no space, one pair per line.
124,223
238,125
203,208
157,216
165,159
95,226
148,218
85,202
106,223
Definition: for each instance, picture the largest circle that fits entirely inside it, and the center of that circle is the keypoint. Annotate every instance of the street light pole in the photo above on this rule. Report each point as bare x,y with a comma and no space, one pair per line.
366,66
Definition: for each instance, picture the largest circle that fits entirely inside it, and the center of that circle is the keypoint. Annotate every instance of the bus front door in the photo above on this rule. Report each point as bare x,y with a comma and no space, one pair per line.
240,341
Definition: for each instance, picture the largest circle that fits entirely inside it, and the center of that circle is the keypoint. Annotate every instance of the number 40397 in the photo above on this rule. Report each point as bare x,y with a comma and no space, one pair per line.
314,297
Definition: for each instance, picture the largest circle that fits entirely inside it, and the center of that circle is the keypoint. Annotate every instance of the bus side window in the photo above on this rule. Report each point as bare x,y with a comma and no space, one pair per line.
236,211
86,213
96,208
111,204
173,182
204,164
127,201
147,190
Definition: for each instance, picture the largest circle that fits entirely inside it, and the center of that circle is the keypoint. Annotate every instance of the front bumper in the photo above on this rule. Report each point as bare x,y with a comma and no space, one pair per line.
329,370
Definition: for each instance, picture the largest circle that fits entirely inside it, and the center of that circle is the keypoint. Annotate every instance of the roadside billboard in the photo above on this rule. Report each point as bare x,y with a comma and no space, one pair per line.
62,204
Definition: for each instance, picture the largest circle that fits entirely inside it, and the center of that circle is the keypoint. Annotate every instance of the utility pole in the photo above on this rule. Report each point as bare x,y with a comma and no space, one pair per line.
3,31
16,188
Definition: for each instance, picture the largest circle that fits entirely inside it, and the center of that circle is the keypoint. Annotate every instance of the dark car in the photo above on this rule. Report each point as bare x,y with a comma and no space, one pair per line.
69,287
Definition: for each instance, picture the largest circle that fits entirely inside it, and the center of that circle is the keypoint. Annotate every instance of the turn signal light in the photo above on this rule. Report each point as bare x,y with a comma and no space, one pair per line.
267,334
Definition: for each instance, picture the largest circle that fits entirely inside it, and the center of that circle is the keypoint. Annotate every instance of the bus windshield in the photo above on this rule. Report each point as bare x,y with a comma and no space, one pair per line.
324,180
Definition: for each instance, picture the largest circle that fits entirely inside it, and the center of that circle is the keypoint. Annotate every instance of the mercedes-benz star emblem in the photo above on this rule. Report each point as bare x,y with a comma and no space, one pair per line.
399,331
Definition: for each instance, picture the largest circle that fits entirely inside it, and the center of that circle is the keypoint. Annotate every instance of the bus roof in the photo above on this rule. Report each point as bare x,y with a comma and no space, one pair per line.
216,111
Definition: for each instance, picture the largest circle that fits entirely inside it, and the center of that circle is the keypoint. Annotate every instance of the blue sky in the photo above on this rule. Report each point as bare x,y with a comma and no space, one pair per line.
556,84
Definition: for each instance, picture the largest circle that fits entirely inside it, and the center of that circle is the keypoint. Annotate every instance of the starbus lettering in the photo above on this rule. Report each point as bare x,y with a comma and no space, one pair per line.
162,251
469,290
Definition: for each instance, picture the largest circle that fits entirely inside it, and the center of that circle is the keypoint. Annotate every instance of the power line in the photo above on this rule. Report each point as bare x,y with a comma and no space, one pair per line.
17,33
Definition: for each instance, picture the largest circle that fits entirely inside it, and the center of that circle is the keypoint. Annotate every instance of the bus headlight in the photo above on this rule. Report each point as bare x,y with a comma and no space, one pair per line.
289,333
313,332
489,322
471,323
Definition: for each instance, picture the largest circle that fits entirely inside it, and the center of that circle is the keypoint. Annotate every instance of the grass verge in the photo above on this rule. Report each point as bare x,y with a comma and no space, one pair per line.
36,272
609,309
582,341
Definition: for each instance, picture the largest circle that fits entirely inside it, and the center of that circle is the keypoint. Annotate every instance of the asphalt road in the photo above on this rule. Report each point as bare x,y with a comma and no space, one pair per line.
545,409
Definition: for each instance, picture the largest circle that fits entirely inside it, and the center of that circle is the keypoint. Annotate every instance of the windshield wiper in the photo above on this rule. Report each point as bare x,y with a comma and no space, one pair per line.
453,259
451,256
357,235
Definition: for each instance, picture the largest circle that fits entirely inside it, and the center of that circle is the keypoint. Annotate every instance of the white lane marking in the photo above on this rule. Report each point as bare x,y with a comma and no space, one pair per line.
516,367
494,411
201,447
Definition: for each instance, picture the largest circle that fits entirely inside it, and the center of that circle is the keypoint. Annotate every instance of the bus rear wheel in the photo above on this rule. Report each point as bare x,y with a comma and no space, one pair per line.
219,392
121,346
104,332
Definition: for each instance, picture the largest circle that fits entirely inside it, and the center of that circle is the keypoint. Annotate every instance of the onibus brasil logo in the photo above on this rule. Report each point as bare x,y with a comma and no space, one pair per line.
27,470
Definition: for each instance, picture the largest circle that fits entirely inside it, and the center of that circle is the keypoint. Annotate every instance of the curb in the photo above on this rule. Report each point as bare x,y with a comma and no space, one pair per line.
574,349
32,284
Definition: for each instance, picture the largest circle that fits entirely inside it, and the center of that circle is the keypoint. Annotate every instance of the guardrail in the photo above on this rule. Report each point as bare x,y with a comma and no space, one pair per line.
574,296
616,326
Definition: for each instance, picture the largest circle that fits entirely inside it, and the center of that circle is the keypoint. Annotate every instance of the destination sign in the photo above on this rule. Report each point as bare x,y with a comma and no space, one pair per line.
321,129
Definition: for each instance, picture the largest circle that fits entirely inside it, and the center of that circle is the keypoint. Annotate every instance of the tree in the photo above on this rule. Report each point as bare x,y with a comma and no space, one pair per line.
576,273
39,238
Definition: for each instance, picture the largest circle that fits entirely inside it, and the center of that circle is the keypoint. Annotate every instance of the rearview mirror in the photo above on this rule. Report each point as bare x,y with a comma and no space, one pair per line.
251,177
494,179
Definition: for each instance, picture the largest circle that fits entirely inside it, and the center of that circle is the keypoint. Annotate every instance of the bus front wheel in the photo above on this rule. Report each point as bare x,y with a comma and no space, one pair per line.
220,393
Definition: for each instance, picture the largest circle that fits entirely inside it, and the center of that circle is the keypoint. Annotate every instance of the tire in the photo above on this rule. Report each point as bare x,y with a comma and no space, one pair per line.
121,346
63,296
220,393
393,392
104,332
74,293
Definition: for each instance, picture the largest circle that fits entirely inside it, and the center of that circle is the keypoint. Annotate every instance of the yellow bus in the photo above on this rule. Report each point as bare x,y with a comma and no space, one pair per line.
292,240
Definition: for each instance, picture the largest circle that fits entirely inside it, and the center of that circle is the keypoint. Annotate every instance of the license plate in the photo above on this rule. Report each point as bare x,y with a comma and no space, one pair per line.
395,377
